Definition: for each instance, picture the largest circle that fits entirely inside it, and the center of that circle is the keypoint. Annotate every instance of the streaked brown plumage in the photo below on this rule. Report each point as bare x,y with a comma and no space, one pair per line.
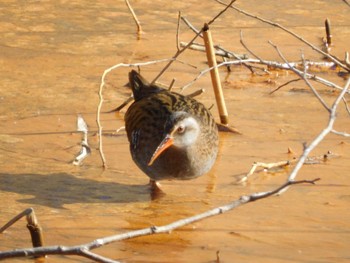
171,136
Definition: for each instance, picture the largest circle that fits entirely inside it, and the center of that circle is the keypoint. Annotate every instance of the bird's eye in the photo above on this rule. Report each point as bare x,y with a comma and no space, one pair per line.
180,129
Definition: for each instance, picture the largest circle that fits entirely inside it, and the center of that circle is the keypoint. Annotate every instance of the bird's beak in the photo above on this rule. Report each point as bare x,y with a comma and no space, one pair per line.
165,144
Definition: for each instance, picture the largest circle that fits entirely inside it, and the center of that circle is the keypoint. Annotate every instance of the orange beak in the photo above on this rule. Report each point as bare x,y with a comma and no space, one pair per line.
165,144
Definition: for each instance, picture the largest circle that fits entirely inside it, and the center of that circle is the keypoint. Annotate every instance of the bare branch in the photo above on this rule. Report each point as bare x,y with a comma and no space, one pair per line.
322,134
332,58
179,52
195,30
88,254
84,249
219,51
345,134
303,76
245,46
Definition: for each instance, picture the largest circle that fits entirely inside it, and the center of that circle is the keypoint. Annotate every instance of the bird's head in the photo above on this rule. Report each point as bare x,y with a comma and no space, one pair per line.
181,130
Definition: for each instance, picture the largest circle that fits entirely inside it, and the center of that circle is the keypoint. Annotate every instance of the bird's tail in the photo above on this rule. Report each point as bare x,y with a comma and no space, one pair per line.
140,86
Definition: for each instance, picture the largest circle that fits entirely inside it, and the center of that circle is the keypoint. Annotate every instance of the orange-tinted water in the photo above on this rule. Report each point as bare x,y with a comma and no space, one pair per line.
53,56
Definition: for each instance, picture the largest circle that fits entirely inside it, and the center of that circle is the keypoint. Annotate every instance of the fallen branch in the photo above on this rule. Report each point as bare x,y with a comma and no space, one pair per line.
281,164
84,249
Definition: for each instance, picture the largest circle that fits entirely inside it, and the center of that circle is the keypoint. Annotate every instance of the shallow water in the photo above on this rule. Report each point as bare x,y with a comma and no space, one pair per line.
53,56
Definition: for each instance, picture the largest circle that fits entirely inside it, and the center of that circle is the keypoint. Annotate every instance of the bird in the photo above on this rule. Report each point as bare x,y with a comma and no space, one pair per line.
171,136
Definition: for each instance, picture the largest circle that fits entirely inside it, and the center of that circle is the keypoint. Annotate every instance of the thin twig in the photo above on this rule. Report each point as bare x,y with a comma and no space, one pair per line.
245,46
98,120
195,30
100,93
346,106
284,84
196,93
15,219
32,225
93,256
303,76
268,63
346,2
345,134
171,84
219,51
179,52
178,31
139,29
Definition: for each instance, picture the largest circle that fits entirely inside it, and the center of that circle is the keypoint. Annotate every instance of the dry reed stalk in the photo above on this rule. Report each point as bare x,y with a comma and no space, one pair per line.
214,73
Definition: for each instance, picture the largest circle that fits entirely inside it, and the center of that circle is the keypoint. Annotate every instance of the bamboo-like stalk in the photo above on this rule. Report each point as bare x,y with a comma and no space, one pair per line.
214,73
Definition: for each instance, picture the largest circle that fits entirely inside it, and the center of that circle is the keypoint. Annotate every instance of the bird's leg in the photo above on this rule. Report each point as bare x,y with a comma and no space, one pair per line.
156,191
154,184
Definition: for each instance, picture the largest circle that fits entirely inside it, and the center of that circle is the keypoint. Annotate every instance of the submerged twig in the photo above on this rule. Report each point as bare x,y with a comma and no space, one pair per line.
284,84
